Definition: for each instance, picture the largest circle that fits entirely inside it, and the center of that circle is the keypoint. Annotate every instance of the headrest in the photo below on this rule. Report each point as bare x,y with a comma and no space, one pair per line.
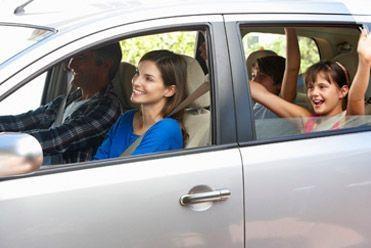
350,61
251,59
122,84
196,77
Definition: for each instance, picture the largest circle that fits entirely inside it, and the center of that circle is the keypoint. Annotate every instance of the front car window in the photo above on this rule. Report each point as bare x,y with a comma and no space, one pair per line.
15,39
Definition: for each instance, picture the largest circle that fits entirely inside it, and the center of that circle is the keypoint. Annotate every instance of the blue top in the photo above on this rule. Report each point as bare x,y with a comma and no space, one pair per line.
164,135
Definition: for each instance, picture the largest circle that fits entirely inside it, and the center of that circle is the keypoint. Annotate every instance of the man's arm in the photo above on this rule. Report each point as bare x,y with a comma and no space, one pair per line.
83,129
40,118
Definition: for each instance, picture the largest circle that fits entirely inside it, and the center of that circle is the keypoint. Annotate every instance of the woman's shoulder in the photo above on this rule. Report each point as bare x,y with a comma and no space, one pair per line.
167,125
169,122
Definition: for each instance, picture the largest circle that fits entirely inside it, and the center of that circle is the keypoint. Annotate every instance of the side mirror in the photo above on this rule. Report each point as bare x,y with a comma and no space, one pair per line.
19,153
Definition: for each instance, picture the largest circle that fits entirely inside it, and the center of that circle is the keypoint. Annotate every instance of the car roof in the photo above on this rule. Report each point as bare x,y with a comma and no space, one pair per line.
67,14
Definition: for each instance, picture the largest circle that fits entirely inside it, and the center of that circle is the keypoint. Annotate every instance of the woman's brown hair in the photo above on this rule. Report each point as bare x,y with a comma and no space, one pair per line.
173,69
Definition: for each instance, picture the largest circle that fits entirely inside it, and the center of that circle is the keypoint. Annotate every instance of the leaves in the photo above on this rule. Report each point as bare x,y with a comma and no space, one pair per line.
179,42
277,43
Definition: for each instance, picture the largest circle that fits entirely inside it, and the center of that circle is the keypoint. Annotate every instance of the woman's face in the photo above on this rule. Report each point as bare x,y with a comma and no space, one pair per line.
148,85
263,79
326,97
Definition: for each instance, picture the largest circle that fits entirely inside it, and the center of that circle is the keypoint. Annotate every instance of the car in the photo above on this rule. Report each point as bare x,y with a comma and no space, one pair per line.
239,182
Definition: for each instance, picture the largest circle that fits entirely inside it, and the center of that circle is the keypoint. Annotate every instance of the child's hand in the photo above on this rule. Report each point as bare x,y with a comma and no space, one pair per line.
364,47
289,30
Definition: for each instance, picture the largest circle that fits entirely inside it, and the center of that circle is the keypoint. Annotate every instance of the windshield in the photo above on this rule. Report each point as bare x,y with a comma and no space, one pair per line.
15,39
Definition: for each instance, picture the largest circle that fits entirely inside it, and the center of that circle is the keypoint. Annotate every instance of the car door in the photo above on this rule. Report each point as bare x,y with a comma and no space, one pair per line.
302,190
187,198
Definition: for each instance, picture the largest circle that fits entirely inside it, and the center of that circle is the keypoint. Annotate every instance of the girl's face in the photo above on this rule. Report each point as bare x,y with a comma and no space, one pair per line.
149,87
263,79
326,97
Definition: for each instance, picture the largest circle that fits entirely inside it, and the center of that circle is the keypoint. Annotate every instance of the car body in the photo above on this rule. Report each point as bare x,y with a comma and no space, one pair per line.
298,190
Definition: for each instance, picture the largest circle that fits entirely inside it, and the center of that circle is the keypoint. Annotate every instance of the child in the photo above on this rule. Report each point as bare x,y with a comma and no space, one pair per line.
327,87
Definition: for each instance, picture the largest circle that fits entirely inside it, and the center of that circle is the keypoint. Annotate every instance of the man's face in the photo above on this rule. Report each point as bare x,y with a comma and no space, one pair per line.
84,69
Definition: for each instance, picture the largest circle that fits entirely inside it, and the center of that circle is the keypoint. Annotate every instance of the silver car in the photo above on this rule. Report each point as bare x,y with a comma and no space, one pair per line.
239,182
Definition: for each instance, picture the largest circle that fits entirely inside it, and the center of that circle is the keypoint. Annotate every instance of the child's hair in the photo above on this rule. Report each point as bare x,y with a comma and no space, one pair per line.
273,66
334,72
173,69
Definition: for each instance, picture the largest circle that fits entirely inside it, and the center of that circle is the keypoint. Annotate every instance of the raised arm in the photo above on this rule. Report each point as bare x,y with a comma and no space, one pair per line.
276,104
292,67
356,97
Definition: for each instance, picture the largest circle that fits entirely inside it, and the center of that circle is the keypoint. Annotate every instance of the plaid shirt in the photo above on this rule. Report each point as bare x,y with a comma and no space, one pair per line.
77,138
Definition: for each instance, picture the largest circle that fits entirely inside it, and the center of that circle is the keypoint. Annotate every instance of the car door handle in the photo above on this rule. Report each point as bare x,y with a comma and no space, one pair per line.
212,196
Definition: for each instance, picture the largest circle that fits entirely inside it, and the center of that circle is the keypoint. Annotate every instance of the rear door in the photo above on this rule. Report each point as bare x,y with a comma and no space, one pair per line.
301,190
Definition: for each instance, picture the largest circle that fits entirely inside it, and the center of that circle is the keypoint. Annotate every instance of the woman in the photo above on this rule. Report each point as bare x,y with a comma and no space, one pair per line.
158,87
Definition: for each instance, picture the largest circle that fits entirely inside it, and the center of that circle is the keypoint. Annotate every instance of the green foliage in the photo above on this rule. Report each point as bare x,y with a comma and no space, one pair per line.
184,43
179,42
257,41
308,52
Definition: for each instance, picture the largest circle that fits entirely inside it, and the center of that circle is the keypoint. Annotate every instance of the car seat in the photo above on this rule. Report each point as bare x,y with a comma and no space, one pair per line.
122,85
350,61
197,116
251,59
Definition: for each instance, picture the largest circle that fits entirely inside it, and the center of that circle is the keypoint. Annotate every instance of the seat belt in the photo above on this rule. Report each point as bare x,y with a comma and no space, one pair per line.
58,158
133,146
200,91
58,119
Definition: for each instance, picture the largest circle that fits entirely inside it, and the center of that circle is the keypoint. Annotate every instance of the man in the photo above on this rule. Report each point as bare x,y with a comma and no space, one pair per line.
88,112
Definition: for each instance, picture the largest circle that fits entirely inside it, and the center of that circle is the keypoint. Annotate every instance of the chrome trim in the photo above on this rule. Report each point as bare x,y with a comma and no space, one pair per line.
212,196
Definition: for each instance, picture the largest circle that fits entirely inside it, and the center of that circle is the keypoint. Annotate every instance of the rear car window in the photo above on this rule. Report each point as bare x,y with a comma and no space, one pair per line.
276,42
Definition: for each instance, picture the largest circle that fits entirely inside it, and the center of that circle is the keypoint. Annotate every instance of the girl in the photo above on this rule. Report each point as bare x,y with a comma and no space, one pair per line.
158,87
327,86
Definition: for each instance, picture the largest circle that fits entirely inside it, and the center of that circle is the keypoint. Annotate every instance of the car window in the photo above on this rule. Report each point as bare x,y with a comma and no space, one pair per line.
254,41
26,98
14,39
196,115
280,115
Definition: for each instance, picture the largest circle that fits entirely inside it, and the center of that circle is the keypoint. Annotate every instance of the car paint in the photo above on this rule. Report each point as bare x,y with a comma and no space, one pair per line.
300,191
126,205
309,193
